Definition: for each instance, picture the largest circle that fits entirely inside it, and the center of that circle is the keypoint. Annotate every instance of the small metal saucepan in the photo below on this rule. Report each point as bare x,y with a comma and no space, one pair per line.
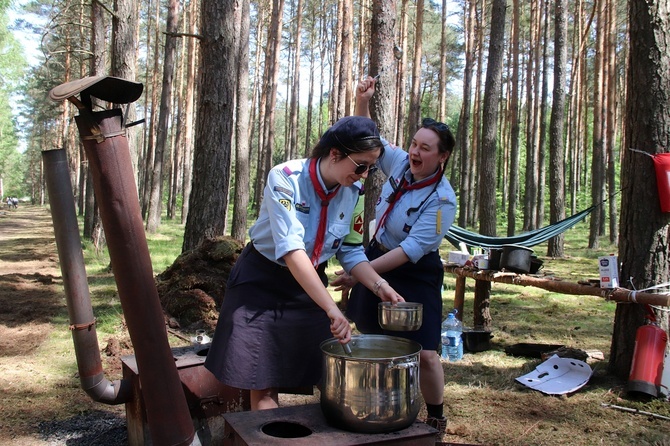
403,316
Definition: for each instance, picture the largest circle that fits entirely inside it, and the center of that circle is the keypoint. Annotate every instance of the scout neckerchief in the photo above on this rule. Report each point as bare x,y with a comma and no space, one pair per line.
401,189
323,217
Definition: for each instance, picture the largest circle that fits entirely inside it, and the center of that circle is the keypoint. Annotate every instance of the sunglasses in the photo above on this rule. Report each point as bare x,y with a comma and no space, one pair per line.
361,168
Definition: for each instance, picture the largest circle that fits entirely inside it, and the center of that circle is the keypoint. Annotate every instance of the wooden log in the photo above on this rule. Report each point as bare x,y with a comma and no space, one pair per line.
560,286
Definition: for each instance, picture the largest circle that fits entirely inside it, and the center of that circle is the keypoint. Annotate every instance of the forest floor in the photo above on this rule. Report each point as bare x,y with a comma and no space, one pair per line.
42,403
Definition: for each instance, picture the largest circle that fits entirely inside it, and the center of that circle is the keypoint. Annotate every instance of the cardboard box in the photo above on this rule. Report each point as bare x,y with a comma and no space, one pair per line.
458,257
609,271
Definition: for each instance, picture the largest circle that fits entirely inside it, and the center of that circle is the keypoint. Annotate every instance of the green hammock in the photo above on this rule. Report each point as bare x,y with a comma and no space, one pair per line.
457,235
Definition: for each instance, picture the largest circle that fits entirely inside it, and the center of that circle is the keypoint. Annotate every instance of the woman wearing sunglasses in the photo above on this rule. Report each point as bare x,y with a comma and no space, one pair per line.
416,207
277,310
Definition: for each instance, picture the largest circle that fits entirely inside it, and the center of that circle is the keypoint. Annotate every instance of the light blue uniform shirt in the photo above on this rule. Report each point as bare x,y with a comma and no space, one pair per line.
422,230
289,217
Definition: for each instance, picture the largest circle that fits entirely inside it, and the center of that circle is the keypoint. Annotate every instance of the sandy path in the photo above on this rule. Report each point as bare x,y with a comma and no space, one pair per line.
40,389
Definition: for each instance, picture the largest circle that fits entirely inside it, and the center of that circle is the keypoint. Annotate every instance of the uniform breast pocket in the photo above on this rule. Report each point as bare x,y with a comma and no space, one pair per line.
336,233
304,219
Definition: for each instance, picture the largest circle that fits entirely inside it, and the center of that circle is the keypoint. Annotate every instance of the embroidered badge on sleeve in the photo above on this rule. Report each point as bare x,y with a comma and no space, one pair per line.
286,203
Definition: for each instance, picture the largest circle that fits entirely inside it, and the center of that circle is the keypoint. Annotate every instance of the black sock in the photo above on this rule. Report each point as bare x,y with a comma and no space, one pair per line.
434,410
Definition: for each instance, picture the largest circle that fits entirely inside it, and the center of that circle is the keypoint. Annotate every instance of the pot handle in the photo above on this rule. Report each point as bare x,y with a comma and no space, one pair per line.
402,365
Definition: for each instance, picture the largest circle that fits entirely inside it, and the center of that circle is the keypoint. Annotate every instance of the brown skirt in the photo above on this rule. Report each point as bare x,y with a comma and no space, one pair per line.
269,330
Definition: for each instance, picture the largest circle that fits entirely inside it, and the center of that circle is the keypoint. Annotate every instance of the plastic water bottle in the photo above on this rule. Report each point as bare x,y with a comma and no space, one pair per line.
452,343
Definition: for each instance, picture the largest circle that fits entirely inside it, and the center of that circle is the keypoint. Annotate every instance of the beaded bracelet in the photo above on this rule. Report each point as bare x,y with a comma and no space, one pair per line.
378,284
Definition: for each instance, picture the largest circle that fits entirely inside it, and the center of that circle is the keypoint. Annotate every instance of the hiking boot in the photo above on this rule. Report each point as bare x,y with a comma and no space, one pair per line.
437,423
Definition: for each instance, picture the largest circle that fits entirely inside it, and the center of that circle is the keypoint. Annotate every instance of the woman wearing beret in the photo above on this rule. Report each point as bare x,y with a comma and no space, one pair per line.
277,309
416,207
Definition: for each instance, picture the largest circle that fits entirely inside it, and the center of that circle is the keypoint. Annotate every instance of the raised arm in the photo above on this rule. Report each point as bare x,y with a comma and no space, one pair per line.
364,92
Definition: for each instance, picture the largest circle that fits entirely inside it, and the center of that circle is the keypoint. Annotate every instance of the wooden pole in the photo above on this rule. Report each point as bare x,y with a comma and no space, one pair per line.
482,317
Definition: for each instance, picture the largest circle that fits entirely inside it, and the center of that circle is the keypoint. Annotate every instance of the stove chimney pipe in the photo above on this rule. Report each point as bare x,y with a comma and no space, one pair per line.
82,322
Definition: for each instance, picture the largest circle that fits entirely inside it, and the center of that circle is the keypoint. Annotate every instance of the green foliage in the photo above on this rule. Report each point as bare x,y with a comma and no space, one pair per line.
12,61
12,64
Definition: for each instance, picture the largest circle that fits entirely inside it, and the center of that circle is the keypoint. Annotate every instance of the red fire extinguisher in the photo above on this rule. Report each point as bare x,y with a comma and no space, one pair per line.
662,168
647,367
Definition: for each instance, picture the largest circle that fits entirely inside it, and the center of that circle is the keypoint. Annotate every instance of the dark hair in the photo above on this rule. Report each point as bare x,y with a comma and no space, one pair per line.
351,134
447,140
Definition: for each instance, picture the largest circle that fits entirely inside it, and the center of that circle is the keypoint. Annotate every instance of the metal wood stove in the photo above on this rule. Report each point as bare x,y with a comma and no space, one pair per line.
306,425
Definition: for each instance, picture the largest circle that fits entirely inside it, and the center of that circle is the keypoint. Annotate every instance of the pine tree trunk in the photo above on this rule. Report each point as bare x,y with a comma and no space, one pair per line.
645,230
242,152
156,197
152,80
611,114
214,129
334,96
188,111
295,86
598,157
401,78
514,156
556,148
310,95
415,92
463,138
270,87
442,74
532,83
542,127
344,88
473,168
487,197
381,104
124,59
97,68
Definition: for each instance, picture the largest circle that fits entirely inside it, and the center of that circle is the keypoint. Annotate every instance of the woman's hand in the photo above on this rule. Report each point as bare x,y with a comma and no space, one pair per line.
387,294
365,89
344,282
339,325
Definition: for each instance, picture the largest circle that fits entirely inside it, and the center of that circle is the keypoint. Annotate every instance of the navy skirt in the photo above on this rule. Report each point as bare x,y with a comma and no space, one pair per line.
417,282
269,330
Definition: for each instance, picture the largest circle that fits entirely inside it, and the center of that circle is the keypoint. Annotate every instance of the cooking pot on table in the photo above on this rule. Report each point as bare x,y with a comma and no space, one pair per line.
516,258
376,389
494,258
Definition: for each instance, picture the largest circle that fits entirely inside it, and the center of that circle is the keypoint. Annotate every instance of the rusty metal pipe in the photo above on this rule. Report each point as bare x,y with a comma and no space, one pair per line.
167,411
77,296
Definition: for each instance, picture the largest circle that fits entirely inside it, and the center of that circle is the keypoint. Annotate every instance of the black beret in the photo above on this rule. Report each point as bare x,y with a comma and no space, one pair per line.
348,131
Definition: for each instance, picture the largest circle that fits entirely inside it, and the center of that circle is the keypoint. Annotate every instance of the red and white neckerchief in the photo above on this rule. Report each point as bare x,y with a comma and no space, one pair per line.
323,217
402,188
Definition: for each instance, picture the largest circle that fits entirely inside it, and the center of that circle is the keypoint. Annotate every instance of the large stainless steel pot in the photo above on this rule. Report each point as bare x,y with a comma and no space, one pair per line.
376,389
